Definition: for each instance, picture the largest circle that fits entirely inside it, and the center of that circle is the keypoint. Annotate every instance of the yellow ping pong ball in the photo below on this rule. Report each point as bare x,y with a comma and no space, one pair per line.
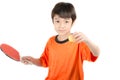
71,39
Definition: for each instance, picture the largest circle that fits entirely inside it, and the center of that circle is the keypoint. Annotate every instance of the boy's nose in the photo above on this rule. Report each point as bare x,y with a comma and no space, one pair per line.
62,25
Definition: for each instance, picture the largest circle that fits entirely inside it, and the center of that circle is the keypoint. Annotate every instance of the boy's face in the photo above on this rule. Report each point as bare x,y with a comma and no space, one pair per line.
62,25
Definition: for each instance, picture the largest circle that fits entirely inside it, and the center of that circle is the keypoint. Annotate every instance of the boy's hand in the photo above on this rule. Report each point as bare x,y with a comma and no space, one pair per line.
27,60
79,37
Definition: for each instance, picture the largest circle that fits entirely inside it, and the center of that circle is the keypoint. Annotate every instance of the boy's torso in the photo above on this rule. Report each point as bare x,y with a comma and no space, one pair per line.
64,61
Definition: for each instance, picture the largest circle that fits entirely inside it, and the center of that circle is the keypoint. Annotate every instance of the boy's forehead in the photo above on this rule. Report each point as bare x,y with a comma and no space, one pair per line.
58,17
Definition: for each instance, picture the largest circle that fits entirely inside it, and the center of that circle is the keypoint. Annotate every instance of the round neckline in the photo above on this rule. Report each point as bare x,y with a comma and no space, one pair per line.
61,42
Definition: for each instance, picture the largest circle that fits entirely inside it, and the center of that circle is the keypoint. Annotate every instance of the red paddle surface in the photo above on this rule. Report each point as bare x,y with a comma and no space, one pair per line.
10,52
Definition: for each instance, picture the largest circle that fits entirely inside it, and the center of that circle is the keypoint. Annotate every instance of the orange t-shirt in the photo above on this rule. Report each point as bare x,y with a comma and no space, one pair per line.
65,61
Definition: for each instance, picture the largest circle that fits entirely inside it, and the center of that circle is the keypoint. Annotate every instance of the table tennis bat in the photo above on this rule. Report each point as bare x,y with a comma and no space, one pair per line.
10,52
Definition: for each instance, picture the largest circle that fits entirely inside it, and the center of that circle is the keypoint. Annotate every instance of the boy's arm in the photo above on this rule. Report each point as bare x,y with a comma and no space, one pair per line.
93,48
80,37
37,62
31,60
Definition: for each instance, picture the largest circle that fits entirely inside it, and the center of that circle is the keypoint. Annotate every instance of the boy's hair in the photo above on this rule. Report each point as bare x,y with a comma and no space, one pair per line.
64,10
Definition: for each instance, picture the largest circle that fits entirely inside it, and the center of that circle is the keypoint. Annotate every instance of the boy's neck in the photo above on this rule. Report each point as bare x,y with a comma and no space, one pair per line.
63,37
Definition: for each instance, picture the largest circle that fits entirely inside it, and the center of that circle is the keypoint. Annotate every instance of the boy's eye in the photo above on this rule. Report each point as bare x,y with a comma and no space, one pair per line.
66,21
57,21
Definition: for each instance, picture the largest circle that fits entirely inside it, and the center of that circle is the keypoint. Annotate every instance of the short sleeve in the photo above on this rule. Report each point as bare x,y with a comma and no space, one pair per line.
44,59
86,54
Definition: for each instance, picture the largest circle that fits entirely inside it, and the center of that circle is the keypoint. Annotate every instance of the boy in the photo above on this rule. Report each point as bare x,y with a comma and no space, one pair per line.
63,57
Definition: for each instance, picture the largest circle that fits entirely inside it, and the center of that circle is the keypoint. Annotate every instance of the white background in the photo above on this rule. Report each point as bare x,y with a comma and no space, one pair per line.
27,25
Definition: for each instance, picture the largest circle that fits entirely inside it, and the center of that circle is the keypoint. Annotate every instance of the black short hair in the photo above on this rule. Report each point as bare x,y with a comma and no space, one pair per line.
64,10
